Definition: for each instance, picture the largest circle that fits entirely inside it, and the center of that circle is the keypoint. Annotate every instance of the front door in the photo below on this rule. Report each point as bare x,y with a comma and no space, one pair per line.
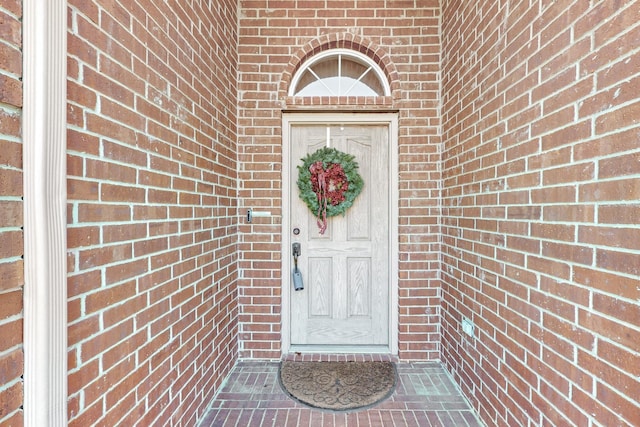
345,301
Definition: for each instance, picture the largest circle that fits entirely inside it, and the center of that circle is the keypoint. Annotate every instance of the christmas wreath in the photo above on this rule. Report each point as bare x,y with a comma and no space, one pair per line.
329,182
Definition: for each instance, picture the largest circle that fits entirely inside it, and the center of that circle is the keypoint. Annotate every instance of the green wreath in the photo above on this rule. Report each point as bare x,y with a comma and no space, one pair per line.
329,183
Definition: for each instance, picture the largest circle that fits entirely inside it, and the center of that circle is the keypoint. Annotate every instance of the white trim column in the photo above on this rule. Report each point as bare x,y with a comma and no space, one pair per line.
44,171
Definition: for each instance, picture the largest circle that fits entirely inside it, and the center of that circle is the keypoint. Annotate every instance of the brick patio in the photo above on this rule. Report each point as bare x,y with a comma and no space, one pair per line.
424,396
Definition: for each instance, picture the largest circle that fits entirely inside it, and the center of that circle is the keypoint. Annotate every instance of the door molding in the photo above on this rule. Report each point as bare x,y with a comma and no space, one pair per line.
388,119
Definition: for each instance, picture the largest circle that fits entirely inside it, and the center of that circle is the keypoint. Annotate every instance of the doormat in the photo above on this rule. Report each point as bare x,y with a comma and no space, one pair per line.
338,386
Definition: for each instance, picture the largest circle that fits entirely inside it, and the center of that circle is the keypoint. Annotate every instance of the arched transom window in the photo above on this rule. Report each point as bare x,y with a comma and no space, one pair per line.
339,72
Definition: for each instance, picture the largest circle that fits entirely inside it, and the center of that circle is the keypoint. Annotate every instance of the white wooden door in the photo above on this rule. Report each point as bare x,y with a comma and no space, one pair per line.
345,300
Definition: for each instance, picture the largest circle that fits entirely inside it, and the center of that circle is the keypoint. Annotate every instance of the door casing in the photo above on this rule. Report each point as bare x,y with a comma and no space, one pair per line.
388,119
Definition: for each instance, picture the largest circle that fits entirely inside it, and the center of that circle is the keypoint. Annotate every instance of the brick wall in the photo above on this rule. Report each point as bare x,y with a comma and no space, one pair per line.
541,245
152,228
11,216
274,39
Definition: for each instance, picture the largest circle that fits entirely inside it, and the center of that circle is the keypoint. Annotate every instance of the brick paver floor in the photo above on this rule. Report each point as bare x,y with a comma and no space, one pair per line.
424,396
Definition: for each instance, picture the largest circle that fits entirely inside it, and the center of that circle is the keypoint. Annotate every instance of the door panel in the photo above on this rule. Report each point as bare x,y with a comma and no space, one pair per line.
346,270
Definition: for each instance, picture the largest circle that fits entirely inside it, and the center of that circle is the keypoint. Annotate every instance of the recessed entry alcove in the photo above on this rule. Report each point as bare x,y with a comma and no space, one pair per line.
491,253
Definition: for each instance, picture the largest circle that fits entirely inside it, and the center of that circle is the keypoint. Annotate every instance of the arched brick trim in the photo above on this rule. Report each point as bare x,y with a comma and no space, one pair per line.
340,41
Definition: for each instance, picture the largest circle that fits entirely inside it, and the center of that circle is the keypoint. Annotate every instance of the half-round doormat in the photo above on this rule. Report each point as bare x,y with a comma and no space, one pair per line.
338,386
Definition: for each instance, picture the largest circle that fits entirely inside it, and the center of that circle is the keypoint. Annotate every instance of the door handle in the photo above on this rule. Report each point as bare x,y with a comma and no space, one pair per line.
297,275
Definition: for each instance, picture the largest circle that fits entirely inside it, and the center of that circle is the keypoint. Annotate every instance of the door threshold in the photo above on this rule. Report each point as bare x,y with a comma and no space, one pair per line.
340,349
339,357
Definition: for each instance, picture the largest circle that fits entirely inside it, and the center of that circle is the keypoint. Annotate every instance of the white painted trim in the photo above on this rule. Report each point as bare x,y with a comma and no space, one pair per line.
44,171
391,120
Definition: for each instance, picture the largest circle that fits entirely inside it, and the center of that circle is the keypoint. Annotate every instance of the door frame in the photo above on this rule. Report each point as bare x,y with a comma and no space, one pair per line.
388,119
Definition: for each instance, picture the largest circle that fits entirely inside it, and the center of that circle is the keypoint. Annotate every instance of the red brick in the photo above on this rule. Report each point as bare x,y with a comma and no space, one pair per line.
621,358
622,334
619,166
582,337
610,98
11,216
10,334
552,121
569,213
619,261
11,126
554,415
566,408
122,194
557,345
609,282
123,233
11,304
554,305
565,291
11,398
618,190
624,74
11,366
564,232
109,68
622,406
606,145
91,258
619,118
78,237
11,31
568,252
81,190
113,172
11,213
97,389
569,174
614,378
575,92
81,283
116,312
622,17
10,91
121,272
103,212
598,411
574,132
11,244
125,154
619,214
118,410
85,327
99,343
110,296
153,179
10,182
80,378
565,194
620,237
10,58
80,96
